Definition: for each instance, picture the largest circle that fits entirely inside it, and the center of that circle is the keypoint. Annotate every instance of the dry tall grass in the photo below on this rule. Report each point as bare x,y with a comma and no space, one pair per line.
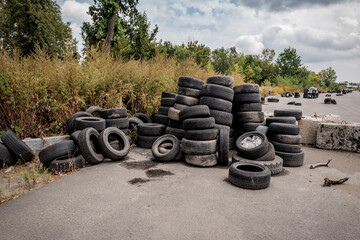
39,93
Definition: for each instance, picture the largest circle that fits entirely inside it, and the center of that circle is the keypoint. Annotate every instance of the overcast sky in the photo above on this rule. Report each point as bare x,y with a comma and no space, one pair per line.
324,32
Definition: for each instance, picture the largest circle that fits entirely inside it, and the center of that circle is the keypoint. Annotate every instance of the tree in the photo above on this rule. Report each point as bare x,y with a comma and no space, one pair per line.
289,62
222,60
27,24
200,52
328,76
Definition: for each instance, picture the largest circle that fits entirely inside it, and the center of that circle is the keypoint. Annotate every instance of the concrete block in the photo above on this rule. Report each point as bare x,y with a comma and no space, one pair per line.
38,144
339,136
309,126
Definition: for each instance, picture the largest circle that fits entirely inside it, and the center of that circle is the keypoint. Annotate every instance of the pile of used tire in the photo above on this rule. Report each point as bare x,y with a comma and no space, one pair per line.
200,142
167,101
188,95
247,108
218,95
283,133
116,117
147,133
13,148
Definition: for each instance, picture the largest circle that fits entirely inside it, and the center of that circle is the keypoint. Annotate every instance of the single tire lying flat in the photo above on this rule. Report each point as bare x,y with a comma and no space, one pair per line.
284,128
208,160
190,82
179,106
107,150
198,147
275,165
66,164
190,92
174,114
166,94
17,146
272,99
86,122
151,129
161,119
254,152
249,175
164,110
247,98
113,113
89,146
185,100
288,112
247,88
217,91
216,103
201,135
168,155
247,107
117,122
292,159
249,117
223,147
65,148
198,123
222,118
226,81
167,102
289,148
283,138
198,111
71,120
289,120
7,156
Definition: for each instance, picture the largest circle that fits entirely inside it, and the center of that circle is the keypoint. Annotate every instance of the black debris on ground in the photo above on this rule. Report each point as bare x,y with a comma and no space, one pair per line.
158,173
140,165
138,181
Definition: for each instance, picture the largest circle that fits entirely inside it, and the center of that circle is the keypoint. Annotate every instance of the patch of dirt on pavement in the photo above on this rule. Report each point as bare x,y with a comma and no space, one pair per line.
138,181
158,173
141,165
284,172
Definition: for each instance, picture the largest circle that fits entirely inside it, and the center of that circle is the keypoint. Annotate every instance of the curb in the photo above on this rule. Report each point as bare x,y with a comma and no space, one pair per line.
37,144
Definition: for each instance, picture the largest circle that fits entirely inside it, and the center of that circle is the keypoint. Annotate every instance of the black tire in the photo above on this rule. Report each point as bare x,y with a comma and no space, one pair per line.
226,81
297,95
177,132
86,122
291,103
174,114
198,147
173,151
216,103
288,139
107,150
151,129
198,111
218,91
255,152
7,156
93,109
298,104
272,99
247,98
247,88
268,156
284,128
198,123
208,160
134,121
121,123
71,121
222,118
261,128
288,113
248,127
249,175
223,147
166,94
75,136
66,164
289,148
161,119
275,165
291,159
179,106
89,146
145,141
174,123
113,113
143,117
185,100
163,110
190,82
289,120
201,135
247,107
231,143
65,148
190,92
247,117
17,146
168,102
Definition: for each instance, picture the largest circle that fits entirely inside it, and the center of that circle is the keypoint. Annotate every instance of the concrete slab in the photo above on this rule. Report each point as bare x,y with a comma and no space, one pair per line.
185,202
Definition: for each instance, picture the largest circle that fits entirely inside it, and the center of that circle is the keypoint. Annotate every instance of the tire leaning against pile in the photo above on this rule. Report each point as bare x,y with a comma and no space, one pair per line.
17,146
171,154
107,150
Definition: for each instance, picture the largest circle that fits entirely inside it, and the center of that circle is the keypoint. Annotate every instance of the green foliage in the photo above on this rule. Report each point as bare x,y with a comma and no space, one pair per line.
25,25
222,60
328,76
289,62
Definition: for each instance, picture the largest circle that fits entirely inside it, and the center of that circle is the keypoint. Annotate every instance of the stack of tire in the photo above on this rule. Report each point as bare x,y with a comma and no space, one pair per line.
116,117
188,95
147,133
247,108
200,142
167,101
283,133
254,147
13,148
218,95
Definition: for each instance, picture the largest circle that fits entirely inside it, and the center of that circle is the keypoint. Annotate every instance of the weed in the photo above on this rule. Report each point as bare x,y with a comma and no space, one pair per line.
1,192
34,176
27,178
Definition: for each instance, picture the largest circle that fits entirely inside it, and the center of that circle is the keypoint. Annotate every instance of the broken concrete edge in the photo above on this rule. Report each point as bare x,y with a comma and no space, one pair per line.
38,144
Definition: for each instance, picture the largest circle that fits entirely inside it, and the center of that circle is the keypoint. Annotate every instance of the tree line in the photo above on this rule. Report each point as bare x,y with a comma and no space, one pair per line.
119,28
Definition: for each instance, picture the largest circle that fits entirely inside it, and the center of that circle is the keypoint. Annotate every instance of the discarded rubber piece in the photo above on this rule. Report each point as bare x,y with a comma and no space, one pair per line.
208,160
86,122
249,175
113,113
64,148
198,147
254,152
89,146
151,129
272,99
226,81
298,104
71,120
174,148
291,159
247,88
17,146
275,166
198,111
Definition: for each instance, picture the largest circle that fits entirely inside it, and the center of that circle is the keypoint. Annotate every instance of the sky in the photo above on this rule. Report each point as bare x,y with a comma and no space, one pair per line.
325,33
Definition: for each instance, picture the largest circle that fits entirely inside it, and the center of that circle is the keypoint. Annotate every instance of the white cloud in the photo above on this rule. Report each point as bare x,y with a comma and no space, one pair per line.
251,44
75,10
